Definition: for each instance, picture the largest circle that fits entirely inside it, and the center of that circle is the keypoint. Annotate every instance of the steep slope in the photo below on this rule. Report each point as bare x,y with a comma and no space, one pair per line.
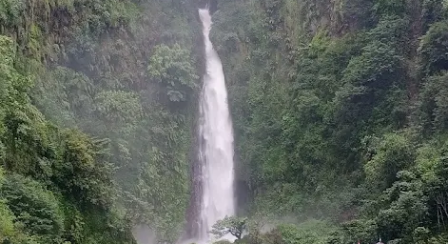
125,73
338,109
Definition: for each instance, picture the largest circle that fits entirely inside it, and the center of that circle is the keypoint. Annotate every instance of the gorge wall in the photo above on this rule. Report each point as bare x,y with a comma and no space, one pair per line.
126,73
337,112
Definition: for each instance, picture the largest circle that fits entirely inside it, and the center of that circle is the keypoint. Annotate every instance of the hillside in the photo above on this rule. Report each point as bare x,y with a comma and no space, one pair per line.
96,118
339,110
339,113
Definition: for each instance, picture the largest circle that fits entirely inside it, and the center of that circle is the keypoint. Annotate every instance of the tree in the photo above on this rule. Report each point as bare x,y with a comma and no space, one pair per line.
232,225
34,206
172,66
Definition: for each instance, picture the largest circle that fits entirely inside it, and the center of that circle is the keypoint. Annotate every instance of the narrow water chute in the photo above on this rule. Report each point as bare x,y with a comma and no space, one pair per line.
216,152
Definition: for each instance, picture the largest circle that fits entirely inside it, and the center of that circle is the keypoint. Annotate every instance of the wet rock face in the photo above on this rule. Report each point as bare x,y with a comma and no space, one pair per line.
193,212
243,196
202,3
213,4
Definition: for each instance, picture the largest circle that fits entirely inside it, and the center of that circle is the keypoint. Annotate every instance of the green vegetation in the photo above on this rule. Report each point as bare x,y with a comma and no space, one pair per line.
340,115
339,109
97,104
233,225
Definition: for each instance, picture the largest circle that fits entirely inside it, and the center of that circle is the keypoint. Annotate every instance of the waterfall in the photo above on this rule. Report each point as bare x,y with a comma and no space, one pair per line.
216,149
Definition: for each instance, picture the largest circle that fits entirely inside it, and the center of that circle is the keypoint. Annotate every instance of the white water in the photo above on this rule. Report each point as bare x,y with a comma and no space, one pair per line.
216,153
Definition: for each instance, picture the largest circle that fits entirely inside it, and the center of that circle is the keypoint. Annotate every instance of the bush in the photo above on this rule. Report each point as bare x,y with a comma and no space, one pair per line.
311,231
7,217
34,206
434,48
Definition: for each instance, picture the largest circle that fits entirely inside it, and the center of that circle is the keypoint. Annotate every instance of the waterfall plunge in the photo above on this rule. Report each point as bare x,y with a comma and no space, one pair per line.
216,149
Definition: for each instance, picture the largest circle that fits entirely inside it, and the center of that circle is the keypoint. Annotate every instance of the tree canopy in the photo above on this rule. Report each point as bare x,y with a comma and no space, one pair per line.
230,225
339,111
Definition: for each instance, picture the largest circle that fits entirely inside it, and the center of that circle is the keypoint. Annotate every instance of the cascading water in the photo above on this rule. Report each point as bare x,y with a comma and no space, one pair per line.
216,149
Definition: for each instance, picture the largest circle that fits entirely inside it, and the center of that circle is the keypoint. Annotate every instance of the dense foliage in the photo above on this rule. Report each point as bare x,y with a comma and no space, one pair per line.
230,225
125,73
339,110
